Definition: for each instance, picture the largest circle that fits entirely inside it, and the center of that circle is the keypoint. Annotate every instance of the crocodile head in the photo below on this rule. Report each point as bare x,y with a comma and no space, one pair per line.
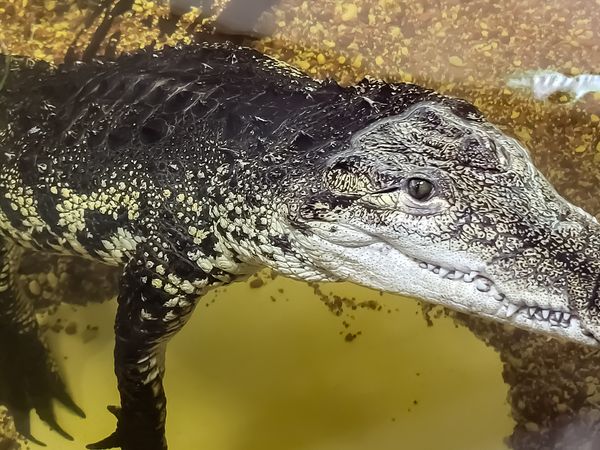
445,207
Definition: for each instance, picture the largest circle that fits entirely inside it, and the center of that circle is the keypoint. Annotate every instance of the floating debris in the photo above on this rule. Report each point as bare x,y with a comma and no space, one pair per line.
256,283
9,438
545,83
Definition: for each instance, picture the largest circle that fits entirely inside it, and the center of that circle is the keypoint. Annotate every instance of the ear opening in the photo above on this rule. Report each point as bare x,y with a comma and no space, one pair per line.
325,206
350,175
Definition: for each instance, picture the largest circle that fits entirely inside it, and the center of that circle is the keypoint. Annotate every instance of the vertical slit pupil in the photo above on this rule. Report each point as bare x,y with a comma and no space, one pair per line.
419,188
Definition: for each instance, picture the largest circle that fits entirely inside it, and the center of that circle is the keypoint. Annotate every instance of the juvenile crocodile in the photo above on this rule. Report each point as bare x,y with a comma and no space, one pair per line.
193,167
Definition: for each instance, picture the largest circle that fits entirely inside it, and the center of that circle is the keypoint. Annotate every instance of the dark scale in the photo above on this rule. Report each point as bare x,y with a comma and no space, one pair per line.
164,151
192,167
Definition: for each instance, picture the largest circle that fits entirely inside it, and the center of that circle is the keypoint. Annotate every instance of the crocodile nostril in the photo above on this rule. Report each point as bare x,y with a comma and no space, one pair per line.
564,215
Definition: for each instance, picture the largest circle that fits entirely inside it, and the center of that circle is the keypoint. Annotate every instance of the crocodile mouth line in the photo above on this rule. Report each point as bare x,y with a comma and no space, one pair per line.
507,308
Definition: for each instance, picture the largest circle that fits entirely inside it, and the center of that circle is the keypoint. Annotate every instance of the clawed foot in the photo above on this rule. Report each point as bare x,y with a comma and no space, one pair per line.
114,440
29,380
131,434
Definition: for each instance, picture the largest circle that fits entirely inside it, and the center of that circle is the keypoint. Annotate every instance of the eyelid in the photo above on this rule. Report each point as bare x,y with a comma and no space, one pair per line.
427,179
396,187
387,189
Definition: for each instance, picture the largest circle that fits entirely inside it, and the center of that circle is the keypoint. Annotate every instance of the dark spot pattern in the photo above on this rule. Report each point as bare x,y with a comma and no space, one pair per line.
192,166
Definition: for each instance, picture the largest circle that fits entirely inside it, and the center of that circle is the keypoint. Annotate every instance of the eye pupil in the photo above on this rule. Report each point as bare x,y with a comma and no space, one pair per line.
419,189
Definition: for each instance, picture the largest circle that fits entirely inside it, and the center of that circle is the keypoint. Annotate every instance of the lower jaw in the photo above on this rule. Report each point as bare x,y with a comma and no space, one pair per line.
574,332
382,266
498,307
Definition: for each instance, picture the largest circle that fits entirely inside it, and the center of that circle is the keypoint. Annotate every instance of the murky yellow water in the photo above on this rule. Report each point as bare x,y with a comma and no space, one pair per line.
249,373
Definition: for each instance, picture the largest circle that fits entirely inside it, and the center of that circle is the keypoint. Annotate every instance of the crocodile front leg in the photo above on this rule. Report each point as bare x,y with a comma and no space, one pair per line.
153,305
29,378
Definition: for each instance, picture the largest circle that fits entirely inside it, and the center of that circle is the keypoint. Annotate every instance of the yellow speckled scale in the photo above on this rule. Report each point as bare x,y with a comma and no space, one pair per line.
282,376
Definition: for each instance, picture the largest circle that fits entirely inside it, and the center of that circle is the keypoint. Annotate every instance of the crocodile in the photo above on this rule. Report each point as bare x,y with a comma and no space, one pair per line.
195,166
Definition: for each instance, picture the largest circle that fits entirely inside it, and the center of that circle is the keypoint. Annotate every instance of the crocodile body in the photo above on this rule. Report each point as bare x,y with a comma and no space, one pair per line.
101,160
195,166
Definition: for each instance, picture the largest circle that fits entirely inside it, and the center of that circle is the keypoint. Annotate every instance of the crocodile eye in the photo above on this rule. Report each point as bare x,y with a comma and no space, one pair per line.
419,189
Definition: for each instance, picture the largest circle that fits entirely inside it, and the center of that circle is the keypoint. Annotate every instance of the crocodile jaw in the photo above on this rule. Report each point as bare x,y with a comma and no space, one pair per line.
380,265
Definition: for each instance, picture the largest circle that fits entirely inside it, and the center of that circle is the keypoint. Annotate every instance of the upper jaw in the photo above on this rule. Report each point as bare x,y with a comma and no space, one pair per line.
348,253
554,317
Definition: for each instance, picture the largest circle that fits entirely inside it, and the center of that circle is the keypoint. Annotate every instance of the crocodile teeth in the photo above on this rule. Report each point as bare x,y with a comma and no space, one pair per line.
456,275
554,317
482,284
471,276
495,293
443,272
511,309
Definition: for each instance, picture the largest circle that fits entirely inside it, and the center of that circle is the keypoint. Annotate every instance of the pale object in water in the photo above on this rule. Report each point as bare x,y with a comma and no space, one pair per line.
544,83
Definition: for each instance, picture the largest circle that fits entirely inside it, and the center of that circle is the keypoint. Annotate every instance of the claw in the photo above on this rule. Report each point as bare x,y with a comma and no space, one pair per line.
112,441
68,402
60,393
24,426
46,413
114,410
30,438
34,384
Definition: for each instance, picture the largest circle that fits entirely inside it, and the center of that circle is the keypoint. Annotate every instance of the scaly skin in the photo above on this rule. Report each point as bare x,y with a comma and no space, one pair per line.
193,167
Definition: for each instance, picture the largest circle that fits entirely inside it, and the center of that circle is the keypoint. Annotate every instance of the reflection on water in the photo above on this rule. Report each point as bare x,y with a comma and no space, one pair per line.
267,369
